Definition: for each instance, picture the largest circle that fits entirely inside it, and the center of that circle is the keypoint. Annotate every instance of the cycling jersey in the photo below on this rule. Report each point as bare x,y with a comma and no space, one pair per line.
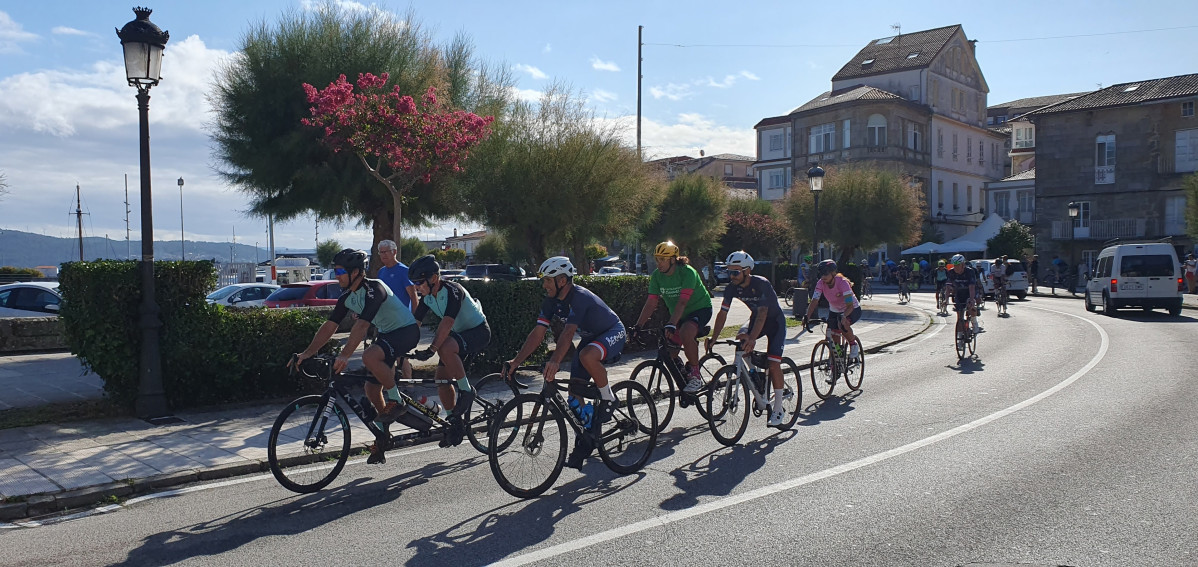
903,274
962,280
941,274
672,287
452,300
840,294
375,303
757,294
583,308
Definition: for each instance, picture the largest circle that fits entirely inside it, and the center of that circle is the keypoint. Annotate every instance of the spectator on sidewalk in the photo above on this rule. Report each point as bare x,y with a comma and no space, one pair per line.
1033,271
1191,272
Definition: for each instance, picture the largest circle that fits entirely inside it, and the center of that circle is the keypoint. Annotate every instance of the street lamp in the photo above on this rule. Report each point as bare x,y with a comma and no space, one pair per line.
143,42
182,250
815,178
1074,211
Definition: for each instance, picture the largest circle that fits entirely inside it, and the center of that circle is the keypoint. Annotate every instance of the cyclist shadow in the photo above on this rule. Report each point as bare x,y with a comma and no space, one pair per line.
969,365
667,441
491,535
286,516
830,409
719,471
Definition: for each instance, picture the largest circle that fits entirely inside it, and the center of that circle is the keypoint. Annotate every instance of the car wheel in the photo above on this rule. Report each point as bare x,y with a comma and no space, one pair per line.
1108,308
1089,306
1021,296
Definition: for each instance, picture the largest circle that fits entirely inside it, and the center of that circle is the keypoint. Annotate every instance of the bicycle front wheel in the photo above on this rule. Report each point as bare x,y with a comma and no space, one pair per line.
489,395
867,290
789,299
972,344
960,340
307,446
728,406
792,393
855,370
655,379
823,370
709,365
531,464
627,440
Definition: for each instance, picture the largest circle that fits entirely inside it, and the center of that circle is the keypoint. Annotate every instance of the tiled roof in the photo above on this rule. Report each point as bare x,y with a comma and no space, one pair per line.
906,51
1129,93
772,121
732,157
859,92
1029,174
1032,103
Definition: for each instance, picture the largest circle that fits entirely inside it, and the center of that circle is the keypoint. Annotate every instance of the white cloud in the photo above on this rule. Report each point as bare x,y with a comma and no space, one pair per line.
63,30
344,4
686,136
671,91
601,65
527,95
11,34
533,71
728,81
750,76
602,96
548,48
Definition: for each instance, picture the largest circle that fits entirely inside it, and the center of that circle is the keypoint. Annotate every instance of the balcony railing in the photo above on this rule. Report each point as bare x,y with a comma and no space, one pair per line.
1106,229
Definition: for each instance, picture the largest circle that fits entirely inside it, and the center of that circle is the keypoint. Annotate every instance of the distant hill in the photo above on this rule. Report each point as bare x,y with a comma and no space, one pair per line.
28,250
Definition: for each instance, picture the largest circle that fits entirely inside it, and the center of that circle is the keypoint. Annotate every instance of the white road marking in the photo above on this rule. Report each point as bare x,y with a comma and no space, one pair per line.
666,519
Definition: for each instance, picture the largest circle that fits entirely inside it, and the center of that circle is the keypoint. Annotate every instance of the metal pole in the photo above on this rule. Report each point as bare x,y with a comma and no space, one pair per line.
639,76
818,251
182,250
151,399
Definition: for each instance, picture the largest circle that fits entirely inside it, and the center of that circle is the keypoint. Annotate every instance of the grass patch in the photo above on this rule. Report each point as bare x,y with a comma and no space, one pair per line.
730,332
57,413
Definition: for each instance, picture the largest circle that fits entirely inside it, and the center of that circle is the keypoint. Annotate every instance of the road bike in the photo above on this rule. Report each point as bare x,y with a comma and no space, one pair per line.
964,339
527,463
867,289
788,295
309,442
665,377
904,292
942,300
1000,299
746,383
830,361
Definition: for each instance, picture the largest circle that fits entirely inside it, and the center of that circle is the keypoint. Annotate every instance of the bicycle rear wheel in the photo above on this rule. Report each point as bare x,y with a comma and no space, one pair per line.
823,370
307,449
627,441
530,465
654,378
789,299
728,406
486,406
792,393
854,371
867,290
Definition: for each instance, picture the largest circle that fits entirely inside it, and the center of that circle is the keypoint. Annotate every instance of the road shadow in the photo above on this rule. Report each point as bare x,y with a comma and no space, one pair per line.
831,409
718,472
969,365
1158,316
287,516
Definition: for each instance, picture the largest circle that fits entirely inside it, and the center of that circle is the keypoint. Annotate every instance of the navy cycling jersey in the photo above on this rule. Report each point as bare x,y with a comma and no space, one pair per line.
580,307
759,293
962,280
374,303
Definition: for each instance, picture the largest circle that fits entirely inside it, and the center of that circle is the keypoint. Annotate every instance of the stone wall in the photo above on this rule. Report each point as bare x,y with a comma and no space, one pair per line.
28,334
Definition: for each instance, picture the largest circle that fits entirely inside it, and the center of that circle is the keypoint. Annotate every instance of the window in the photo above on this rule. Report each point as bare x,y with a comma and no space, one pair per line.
777,179
1186,150
969,149
844,138
981,152
940,194
727,170
775,142
1083,215
1187,109
1025,137
915,140
1175,215
954,146
1002,204
1104,159
915,93
939,142
969,198
876,130
913,55
1026,202
955,206
821,138
1146,266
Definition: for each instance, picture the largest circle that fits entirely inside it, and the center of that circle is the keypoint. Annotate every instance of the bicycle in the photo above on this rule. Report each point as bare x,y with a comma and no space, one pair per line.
664,377
738,384
1054,281
942,300
788,295
965,340
1000,299
527,468
904,292
867,291
314,430
830,361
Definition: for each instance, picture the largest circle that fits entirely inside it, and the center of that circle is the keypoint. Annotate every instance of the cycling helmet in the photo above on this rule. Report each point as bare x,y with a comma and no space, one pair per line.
557,266
350,259
827,267
667,248
958,259
422,268
740,258
903,263
940,263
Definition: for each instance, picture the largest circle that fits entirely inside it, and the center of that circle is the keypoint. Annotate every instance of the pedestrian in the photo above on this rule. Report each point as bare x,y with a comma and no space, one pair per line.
1033,271
1191,272
394,274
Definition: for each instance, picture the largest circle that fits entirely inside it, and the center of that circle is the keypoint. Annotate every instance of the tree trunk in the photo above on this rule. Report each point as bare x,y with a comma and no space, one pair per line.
382,231
397,224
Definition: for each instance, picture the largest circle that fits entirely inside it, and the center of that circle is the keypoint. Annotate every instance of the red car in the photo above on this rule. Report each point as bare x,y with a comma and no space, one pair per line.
305,294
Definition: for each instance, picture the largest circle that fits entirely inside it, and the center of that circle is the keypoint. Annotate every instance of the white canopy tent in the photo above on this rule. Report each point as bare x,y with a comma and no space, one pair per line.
973,241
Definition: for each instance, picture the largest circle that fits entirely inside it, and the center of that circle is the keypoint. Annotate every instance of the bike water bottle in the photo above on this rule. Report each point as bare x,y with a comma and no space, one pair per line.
587,414
575,406
434,405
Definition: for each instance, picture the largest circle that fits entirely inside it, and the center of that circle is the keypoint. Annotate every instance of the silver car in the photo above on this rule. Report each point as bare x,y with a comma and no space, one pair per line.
29,299
242,294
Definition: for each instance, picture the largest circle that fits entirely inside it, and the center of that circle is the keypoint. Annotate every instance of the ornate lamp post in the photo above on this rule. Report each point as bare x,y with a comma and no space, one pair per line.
815,178
182,250
1074,211
143,42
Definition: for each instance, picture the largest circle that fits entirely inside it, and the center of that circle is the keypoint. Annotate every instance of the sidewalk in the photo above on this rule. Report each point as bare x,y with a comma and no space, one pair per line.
51,467
1188,300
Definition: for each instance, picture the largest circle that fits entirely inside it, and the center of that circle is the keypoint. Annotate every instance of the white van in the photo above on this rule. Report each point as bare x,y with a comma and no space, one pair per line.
1016,277
1136,275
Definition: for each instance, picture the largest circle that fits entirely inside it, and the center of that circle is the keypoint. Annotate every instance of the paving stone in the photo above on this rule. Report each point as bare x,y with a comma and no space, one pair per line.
156,457
17,479
206,455
115,464
65,470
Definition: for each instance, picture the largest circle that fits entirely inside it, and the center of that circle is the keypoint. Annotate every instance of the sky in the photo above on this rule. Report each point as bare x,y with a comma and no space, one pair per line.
711,71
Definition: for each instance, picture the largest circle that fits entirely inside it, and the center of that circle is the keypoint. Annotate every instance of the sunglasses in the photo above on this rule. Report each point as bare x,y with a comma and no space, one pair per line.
339,271
418,283
732,272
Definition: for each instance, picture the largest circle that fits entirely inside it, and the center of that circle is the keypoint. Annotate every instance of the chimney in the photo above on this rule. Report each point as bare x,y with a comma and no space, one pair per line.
973,46
455,233
700,153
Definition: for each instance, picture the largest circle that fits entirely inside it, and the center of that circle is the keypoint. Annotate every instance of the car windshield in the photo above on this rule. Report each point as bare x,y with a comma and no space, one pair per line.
288,293
223,292
1148,265
476,271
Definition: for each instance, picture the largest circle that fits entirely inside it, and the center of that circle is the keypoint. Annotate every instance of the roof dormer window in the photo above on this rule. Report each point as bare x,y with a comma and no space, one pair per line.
1131,88
867,62
913,55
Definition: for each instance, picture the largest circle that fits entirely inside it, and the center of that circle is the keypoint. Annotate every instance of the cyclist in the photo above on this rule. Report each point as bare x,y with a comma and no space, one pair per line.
963,282
766,319
843,307
998,275
941,277
903,275
602,336
398,334
463,330
395,274
915,274
687,300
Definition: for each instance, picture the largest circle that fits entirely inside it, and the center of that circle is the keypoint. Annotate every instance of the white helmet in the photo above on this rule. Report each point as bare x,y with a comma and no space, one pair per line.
958,259
740,258
557,266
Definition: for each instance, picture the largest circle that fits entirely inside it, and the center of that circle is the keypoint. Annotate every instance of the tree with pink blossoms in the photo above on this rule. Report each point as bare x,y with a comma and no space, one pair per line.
400,140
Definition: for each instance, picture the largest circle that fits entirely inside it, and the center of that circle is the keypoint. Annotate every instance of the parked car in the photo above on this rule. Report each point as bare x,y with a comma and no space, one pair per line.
305,294
721,273
1016,277
30,299
610,271
242,294
451,274
1147,276
493,272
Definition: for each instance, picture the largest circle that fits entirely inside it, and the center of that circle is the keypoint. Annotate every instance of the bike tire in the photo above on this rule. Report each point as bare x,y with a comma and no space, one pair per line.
484,409
788,298
959,340
653,376
822,369
867,290
854,372
728,406
972,344
708,366
294,461
530,465
792,383
626,441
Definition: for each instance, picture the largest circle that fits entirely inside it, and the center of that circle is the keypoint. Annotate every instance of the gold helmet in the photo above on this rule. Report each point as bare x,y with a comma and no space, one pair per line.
666,249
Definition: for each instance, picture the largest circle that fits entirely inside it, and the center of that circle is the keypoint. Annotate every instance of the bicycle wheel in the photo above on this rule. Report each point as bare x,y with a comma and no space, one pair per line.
627,441
867,290
490,394
708,366
792,393
307,448
528,467
960,340
653,376
972,344
789,299
823,370
854,371
728,406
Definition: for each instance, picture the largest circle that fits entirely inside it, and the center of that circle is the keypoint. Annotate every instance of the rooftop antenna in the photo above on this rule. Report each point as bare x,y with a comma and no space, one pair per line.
897,27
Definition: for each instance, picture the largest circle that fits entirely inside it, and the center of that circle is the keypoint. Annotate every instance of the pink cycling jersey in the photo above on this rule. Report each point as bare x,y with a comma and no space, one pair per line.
838,296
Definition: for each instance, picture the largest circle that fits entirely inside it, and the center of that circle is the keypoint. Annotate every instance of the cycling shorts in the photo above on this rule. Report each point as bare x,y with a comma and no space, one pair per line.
960,300
940,284
610,344
471,340
399,342
853,316
701,317
775,332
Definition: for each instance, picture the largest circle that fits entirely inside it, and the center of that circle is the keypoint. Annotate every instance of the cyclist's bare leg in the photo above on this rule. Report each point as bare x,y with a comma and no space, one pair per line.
592,361
775,372
690,346
452,370
846,327
372,358
406,369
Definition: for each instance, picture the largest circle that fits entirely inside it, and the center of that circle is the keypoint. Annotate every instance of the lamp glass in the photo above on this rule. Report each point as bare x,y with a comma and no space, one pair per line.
143,62
817,183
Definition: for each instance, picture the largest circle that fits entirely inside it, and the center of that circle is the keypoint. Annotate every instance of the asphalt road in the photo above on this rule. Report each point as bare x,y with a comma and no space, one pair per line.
1068,441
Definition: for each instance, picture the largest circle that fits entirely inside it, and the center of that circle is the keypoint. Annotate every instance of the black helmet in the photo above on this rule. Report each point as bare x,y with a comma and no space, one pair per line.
350,259
827,267
422,268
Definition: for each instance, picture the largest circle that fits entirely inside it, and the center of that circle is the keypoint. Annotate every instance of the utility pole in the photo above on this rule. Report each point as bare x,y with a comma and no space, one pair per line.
79,220
128,245
274,276
639,45
317,242
232,244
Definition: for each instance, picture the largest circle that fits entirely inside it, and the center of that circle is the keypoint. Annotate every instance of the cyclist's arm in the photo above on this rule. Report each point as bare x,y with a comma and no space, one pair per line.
323,334
442,334
717,326
813,304
534,340
413,300
564,341
647,310
356,334
758,325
